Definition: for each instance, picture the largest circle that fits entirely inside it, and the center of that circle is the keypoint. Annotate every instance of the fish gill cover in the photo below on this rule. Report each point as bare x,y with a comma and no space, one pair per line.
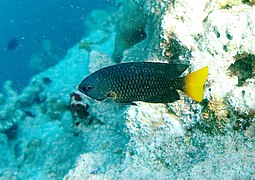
52,131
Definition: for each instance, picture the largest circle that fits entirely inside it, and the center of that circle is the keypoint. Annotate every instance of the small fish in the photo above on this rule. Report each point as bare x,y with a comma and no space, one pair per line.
13,43
144,81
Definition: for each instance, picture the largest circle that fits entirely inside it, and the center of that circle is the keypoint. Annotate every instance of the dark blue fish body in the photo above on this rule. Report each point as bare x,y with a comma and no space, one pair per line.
136,81
13,43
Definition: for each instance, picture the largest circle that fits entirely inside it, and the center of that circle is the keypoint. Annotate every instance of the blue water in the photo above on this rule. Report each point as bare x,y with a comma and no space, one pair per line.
32,144
31,22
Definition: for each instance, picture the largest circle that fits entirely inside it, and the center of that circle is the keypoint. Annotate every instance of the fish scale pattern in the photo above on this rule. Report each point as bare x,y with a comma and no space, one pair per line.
138,83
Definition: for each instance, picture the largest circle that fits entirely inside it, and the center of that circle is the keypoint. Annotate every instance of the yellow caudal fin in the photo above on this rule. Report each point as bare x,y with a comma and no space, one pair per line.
194,84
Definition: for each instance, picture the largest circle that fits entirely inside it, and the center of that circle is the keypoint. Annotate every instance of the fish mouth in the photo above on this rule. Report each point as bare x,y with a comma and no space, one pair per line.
80,89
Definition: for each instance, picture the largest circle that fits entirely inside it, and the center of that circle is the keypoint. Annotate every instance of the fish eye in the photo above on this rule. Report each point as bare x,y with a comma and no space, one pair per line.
88,88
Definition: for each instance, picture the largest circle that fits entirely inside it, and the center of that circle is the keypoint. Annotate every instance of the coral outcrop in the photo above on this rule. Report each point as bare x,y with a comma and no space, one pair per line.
130,28
46,58
182,139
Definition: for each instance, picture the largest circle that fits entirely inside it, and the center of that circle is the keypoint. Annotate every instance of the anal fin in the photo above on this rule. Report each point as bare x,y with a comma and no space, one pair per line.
168,97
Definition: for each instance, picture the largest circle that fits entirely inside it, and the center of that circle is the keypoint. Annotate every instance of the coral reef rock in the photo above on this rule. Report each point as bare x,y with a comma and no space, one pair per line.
186,139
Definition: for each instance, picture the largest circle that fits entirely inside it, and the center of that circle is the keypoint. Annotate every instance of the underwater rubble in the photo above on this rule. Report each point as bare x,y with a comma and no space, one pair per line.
52,131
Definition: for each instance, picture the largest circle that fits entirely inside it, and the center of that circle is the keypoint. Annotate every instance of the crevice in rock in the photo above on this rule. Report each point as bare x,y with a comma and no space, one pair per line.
243,68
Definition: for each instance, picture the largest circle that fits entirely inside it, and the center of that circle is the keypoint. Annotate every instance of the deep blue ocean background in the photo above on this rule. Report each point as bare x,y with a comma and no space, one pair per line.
31,22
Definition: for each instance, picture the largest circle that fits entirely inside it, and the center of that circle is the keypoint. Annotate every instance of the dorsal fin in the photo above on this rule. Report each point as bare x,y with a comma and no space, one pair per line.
174,70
